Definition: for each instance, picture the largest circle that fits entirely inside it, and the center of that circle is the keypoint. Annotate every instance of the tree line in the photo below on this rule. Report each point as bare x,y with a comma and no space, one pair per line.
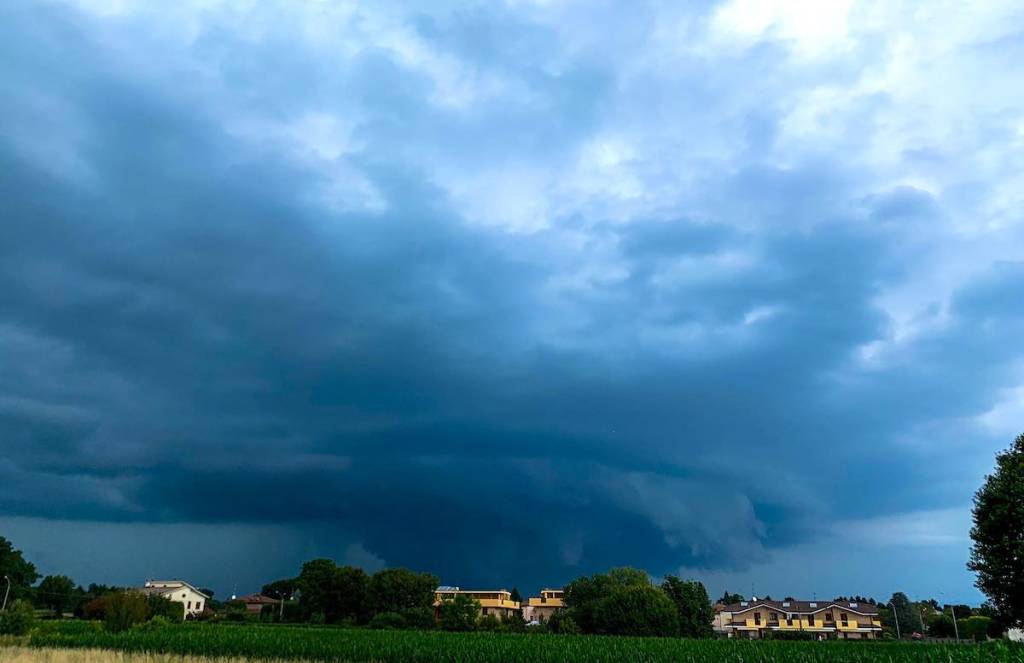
621,601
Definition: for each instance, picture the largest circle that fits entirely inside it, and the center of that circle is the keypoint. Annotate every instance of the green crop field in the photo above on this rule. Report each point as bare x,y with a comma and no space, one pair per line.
335,644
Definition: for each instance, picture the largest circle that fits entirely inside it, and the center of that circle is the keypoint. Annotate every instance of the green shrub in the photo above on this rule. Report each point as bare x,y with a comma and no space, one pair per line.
125,610
154,624
790,635
18,619
419,618
236,611
95,609
292,612
635,611
159,606
514,623
459,614
563,623
489,623
388,620
976,628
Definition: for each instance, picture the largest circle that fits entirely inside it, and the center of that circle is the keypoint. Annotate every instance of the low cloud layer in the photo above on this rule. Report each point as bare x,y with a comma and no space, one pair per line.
509,292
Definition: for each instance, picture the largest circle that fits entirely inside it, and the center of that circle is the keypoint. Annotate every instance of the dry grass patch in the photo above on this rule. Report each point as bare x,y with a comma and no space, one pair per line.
26,655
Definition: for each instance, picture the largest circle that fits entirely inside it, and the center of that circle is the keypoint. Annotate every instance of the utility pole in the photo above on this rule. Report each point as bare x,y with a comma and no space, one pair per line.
896,618
7,593
952,611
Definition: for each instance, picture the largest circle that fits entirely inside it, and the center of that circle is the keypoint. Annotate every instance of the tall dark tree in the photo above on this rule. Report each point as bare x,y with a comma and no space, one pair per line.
905,612
338,593
91,594
399,590
281,589
692,604
621,601
998,552
21,572
459,614
636,610
516,596
729,599
56,593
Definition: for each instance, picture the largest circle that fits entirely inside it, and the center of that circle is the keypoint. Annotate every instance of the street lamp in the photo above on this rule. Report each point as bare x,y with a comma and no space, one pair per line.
896,618
7,593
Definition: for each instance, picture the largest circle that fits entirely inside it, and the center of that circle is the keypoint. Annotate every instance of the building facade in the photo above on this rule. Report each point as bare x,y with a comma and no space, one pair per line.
497,602
540,608
191,599
843,620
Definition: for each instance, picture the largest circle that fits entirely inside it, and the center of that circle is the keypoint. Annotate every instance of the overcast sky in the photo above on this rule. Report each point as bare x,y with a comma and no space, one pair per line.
510,292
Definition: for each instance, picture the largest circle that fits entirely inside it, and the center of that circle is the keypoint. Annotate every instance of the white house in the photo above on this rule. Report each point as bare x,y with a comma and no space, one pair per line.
191,599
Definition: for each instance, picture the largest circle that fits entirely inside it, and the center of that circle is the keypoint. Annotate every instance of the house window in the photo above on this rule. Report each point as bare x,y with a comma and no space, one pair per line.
843,617
789,619
828,617
199,605
757,618
189,606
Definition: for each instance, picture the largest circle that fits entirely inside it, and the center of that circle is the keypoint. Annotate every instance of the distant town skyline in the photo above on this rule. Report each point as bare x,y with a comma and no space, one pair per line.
509,292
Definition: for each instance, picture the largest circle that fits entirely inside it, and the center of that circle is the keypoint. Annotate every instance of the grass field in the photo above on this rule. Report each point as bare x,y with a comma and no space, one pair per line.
356,645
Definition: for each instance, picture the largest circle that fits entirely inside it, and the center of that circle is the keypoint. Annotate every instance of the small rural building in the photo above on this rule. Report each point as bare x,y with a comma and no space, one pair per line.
191,599
254,602
497,602
540,608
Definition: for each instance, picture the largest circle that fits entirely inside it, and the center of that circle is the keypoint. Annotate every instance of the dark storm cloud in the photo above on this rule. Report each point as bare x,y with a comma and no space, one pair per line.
191,333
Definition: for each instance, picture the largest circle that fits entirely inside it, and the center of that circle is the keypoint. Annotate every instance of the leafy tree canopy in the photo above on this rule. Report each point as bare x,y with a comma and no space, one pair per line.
728,599
459,614
620,601
904,613
14,565
398,590
281,589
18,619
998,552
634,610
585,589
56,593
692,606
339,593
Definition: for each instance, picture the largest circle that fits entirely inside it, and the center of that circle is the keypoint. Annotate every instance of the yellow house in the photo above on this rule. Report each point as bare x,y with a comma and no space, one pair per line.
540,608
844,620
497,602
